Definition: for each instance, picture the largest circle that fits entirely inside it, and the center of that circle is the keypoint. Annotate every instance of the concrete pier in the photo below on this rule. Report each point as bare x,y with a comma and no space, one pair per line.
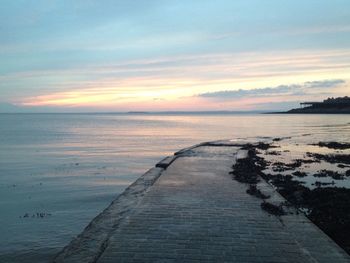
189,209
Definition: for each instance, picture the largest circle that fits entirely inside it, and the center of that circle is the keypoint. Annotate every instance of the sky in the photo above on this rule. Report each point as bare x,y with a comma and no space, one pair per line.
187,55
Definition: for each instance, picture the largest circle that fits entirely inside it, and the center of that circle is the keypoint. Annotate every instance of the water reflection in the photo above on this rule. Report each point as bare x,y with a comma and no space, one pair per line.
73,165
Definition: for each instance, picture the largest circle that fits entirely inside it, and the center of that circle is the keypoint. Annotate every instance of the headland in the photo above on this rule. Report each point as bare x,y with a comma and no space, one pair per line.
339,105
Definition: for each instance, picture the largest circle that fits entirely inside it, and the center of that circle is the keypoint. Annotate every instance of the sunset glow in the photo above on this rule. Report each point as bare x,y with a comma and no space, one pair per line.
122,64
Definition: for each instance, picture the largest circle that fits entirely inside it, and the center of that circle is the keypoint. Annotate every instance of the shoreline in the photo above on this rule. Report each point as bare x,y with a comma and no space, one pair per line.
320,112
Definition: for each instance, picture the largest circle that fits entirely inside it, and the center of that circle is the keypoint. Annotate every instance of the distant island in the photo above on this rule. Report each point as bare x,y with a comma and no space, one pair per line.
339,105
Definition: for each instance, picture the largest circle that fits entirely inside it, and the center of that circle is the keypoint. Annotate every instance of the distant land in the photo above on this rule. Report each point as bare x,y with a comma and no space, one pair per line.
218,112
340,105
146,112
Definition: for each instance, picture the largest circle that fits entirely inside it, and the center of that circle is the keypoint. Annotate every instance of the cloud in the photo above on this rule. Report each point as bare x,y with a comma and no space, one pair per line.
293,89
324,83
188,75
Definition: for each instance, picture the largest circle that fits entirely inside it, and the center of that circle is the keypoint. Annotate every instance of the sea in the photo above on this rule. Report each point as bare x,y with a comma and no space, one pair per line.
58,171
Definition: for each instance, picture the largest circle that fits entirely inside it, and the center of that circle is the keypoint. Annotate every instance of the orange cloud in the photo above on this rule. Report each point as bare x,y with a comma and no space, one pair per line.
169,83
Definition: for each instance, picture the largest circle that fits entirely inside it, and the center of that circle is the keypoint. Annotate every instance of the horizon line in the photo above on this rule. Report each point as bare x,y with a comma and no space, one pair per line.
146,112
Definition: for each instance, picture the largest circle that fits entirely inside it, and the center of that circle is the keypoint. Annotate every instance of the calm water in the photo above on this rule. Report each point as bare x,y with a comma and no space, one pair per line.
69,167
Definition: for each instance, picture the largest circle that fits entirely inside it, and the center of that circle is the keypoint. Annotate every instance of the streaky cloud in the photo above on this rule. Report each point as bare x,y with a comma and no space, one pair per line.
292,89
324,83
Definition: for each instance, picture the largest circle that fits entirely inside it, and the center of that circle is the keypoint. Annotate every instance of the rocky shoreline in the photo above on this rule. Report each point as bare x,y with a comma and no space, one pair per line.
325,204
339,105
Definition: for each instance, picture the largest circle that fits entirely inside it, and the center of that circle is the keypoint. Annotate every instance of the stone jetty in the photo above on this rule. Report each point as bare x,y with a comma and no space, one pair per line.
189,209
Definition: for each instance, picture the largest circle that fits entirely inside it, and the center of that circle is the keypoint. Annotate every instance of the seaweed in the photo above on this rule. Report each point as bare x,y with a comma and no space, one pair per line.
331,158
329,173
272,209
334,145
253,190
299,174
